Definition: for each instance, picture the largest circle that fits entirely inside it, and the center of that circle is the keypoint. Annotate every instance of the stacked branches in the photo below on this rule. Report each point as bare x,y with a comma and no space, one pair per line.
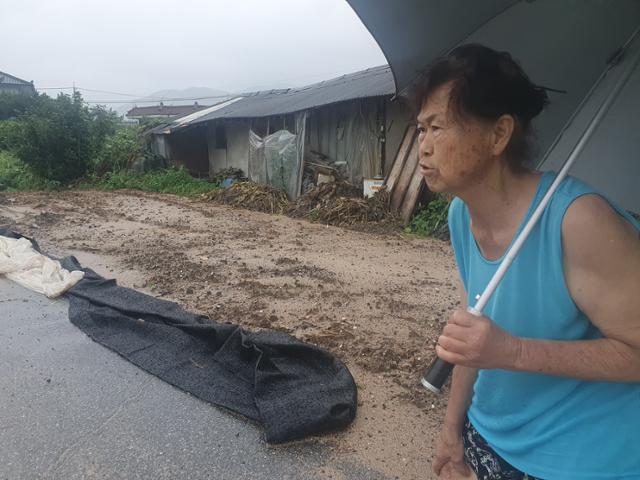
252,196
341,203
337,203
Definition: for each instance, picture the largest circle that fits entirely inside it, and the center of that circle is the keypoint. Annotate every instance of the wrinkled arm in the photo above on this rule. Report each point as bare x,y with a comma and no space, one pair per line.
460,397
602,270
449,449
462,382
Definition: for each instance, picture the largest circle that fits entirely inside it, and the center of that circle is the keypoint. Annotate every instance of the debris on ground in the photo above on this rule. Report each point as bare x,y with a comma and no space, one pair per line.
252,196
337,203
341,203
230,174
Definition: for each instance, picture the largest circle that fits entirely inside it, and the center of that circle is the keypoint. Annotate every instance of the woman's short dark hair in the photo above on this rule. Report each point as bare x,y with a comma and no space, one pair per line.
487,84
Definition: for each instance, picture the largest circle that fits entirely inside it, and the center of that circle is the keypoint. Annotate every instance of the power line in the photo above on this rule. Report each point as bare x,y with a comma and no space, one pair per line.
146,99
164,99
112,93
138,98
91,90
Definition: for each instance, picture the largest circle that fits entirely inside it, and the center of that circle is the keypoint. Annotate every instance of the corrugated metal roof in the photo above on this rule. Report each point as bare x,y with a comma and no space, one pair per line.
189,119
165,110
207,111
373,82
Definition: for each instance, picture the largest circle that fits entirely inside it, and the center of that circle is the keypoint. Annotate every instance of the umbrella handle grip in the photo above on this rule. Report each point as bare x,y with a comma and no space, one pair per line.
436,375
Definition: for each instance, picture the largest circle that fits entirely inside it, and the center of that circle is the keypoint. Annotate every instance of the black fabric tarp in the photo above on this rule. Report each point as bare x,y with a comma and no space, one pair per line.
293,389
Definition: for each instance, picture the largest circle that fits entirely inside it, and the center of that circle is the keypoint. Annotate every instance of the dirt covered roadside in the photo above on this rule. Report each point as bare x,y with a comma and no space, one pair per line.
375,300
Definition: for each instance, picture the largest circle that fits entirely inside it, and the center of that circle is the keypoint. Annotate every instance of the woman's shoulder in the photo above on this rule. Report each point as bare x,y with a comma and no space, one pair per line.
459,226
458,214
588,215
572,187
582,202
455,206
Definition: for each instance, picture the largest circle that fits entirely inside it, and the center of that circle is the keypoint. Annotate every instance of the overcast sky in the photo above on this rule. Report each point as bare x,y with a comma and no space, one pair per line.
142,46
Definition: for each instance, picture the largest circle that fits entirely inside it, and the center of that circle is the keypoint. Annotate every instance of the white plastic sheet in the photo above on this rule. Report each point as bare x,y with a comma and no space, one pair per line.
23,265
276,159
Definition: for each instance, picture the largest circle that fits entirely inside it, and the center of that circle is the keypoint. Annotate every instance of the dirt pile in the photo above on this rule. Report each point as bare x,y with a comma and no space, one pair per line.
341,203
252,196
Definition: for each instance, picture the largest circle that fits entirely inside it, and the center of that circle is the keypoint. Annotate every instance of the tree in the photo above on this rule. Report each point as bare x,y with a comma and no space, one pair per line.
12,105
104,123
118,152
55,137
9,134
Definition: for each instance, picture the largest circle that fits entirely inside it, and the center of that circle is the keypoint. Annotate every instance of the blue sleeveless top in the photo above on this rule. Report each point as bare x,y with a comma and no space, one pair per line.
549,427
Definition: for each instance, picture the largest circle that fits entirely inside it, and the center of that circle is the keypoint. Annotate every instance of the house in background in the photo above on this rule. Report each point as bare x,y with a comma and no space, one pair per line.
349,123
11,84
163,111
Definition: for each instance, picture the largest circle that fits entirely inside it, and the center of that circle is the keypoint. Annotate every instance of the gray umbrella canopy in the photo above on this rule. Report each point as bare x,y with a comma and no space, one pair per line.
567,45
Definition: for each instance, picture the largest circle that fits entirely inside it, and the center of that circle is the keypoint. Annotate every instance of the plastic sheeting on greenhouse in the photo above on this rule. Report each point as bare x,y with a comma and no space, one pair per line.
348,135
277,159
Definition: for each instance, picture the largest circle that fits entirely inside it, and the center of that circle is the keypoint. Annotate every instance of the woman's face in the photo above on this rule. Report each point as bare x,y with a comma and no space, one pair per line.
454,154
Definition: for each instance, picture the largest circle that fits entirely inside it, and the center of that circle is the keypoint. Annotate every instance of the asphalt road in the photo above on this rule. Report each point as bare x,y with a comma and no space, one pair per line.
71,409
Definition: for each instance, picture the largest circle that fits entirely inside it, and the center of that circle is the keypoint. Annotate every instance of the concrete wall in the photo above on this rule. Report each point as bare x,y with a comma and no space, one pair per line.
238,144
217,157
236,154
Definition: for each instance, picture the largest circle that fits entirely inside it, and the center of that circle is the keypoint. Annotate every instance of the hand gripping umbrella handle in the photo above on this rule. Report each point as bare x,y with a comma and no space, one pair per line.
436,375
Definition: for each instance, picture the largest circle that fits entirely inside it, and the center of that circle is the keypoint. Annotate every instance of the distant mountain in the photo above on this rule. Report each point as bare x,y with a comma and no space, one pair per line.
191,92
186,96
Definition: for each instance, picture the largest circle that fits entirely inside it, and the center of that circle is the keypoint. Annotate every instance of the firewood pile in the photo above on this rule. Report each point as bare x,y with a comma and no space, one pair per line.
252,196
337,203
341,203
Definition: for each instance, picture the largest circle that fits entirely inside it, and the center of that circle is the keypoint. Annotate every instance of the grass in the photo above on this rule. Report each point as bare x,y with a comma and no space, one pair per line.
177,181
431,220
16,176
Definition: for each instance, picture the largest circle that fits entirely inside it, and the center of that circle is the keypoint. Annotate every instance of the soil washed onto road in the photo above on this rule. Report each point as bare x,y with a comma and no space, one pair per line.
376,300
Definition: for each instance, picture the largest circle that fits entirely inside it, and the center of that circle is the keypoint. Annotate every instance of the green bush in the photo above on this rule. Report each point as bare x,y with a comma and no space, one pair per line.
63,141
177,181
127,148
103,124
15,175
12,105
54,138
9,134
59,138
431,220
118,152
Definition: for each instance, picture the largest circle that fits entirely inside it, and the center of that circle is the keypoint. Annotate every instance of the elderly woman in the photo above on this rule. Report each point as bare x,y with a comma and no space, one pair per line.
547,384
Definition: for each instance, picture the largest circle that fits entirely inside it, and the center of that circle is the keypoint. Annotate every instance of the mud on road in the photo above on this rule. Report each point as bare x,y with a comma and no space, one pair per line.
376,300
